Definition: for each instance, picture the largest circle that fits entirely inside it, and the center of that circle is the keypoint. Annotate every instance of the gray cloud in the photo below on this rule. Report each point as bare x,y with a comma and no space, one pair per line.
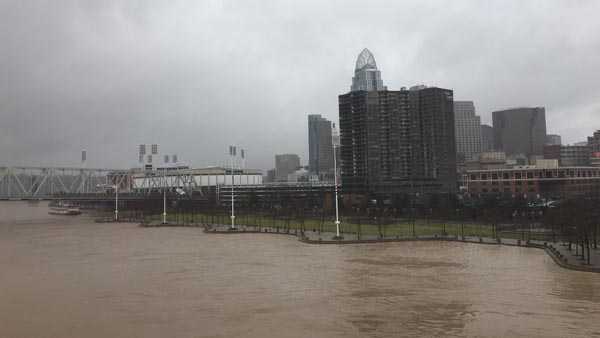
197,76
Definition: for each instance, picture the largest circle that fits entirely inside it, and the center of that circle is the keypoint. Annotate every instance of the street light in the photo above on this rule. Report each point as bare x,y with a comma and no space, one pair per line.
164,220
116,187
232,157
334,142
116,202
232,154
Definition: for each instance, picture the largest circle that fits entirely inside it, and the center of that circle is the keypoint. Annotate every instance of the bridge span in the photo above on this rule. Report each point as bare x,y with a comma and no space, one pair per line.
137,187
33,183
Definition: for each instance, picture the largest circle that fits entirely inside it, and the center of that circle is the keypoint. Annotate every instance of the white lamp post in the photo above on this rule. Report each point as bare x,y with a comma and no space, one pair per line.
116,187
232,203
232,152
335,183
116,202
164,215
232,156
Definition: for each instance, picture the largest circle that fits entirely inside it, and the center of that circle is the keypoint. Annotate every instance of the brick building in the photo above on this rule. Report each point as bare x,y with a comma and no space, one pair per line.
533,182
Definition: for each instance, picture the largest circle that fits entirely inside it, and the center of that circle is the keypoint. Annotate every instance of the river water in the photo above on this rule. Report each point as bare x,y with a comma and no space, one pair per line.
64,276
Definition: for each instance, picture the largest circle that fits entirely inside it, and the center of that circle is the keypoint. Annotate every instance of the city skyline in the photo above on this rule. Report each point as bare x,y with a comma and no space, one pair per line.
225,168
106,77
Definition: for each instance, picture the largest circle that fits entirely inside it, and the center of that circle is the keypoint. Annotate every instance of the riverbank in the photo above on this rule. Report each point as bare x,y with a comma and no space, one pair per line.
558,252
367,226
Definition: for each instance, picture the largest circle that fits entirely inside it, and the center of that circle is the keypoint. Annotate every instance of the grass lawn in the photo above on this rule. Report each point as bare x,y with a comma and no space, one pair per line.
403,228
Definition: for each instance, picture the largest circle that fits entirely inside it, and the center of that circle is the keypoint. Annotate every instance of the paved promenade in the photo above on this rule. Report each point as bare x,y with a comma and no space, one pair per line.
558,251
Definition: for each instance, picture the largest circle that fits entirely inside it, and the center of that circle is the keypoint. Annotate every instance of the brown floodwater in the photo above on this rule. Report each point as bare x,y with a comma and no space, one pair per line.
63,276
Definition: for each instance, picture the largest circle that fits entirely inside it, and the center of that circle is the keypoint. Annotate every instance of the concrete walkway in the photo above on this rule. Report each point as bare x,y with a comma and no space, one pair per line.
558,252
569,257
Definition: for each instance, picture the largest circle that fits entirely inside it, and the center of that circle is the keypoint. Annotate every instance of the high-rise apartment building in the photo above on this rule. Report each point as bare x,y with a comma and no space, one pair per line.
286,164
434,152
320,148
467,130
520,131
397,142
487,138
366,75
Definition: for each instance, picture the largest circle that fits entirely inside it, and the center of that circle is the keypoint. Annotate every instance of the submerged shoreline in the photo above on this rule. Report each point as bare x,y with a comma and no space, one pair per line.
310,237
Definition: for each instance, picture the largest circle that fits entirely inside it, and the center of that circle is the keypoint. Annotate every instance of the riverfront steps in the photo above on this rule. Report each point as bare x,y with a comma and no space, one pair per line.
558,252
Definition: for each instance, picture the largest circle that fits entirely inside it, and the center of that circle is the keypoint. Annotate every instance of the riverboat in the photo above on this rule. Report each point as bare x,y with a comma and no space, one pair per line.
64,211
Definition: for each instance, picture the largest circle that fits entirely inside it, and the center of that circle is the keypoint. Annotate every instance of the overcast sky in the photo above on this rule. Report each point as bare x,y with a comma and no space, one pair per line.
196,76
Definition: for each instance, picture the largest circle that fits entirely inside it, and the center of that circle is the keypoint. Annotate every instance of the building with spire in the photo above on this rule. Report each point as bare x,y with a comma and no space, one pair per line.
395,144
366,75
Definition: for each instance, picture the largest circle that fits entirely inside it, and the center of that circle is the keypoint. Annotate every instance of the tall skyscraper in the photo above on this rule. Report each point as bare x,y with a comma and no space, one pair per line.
487,138
467,129
432,142
320,151
285,164
366,76
397,142
520,131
